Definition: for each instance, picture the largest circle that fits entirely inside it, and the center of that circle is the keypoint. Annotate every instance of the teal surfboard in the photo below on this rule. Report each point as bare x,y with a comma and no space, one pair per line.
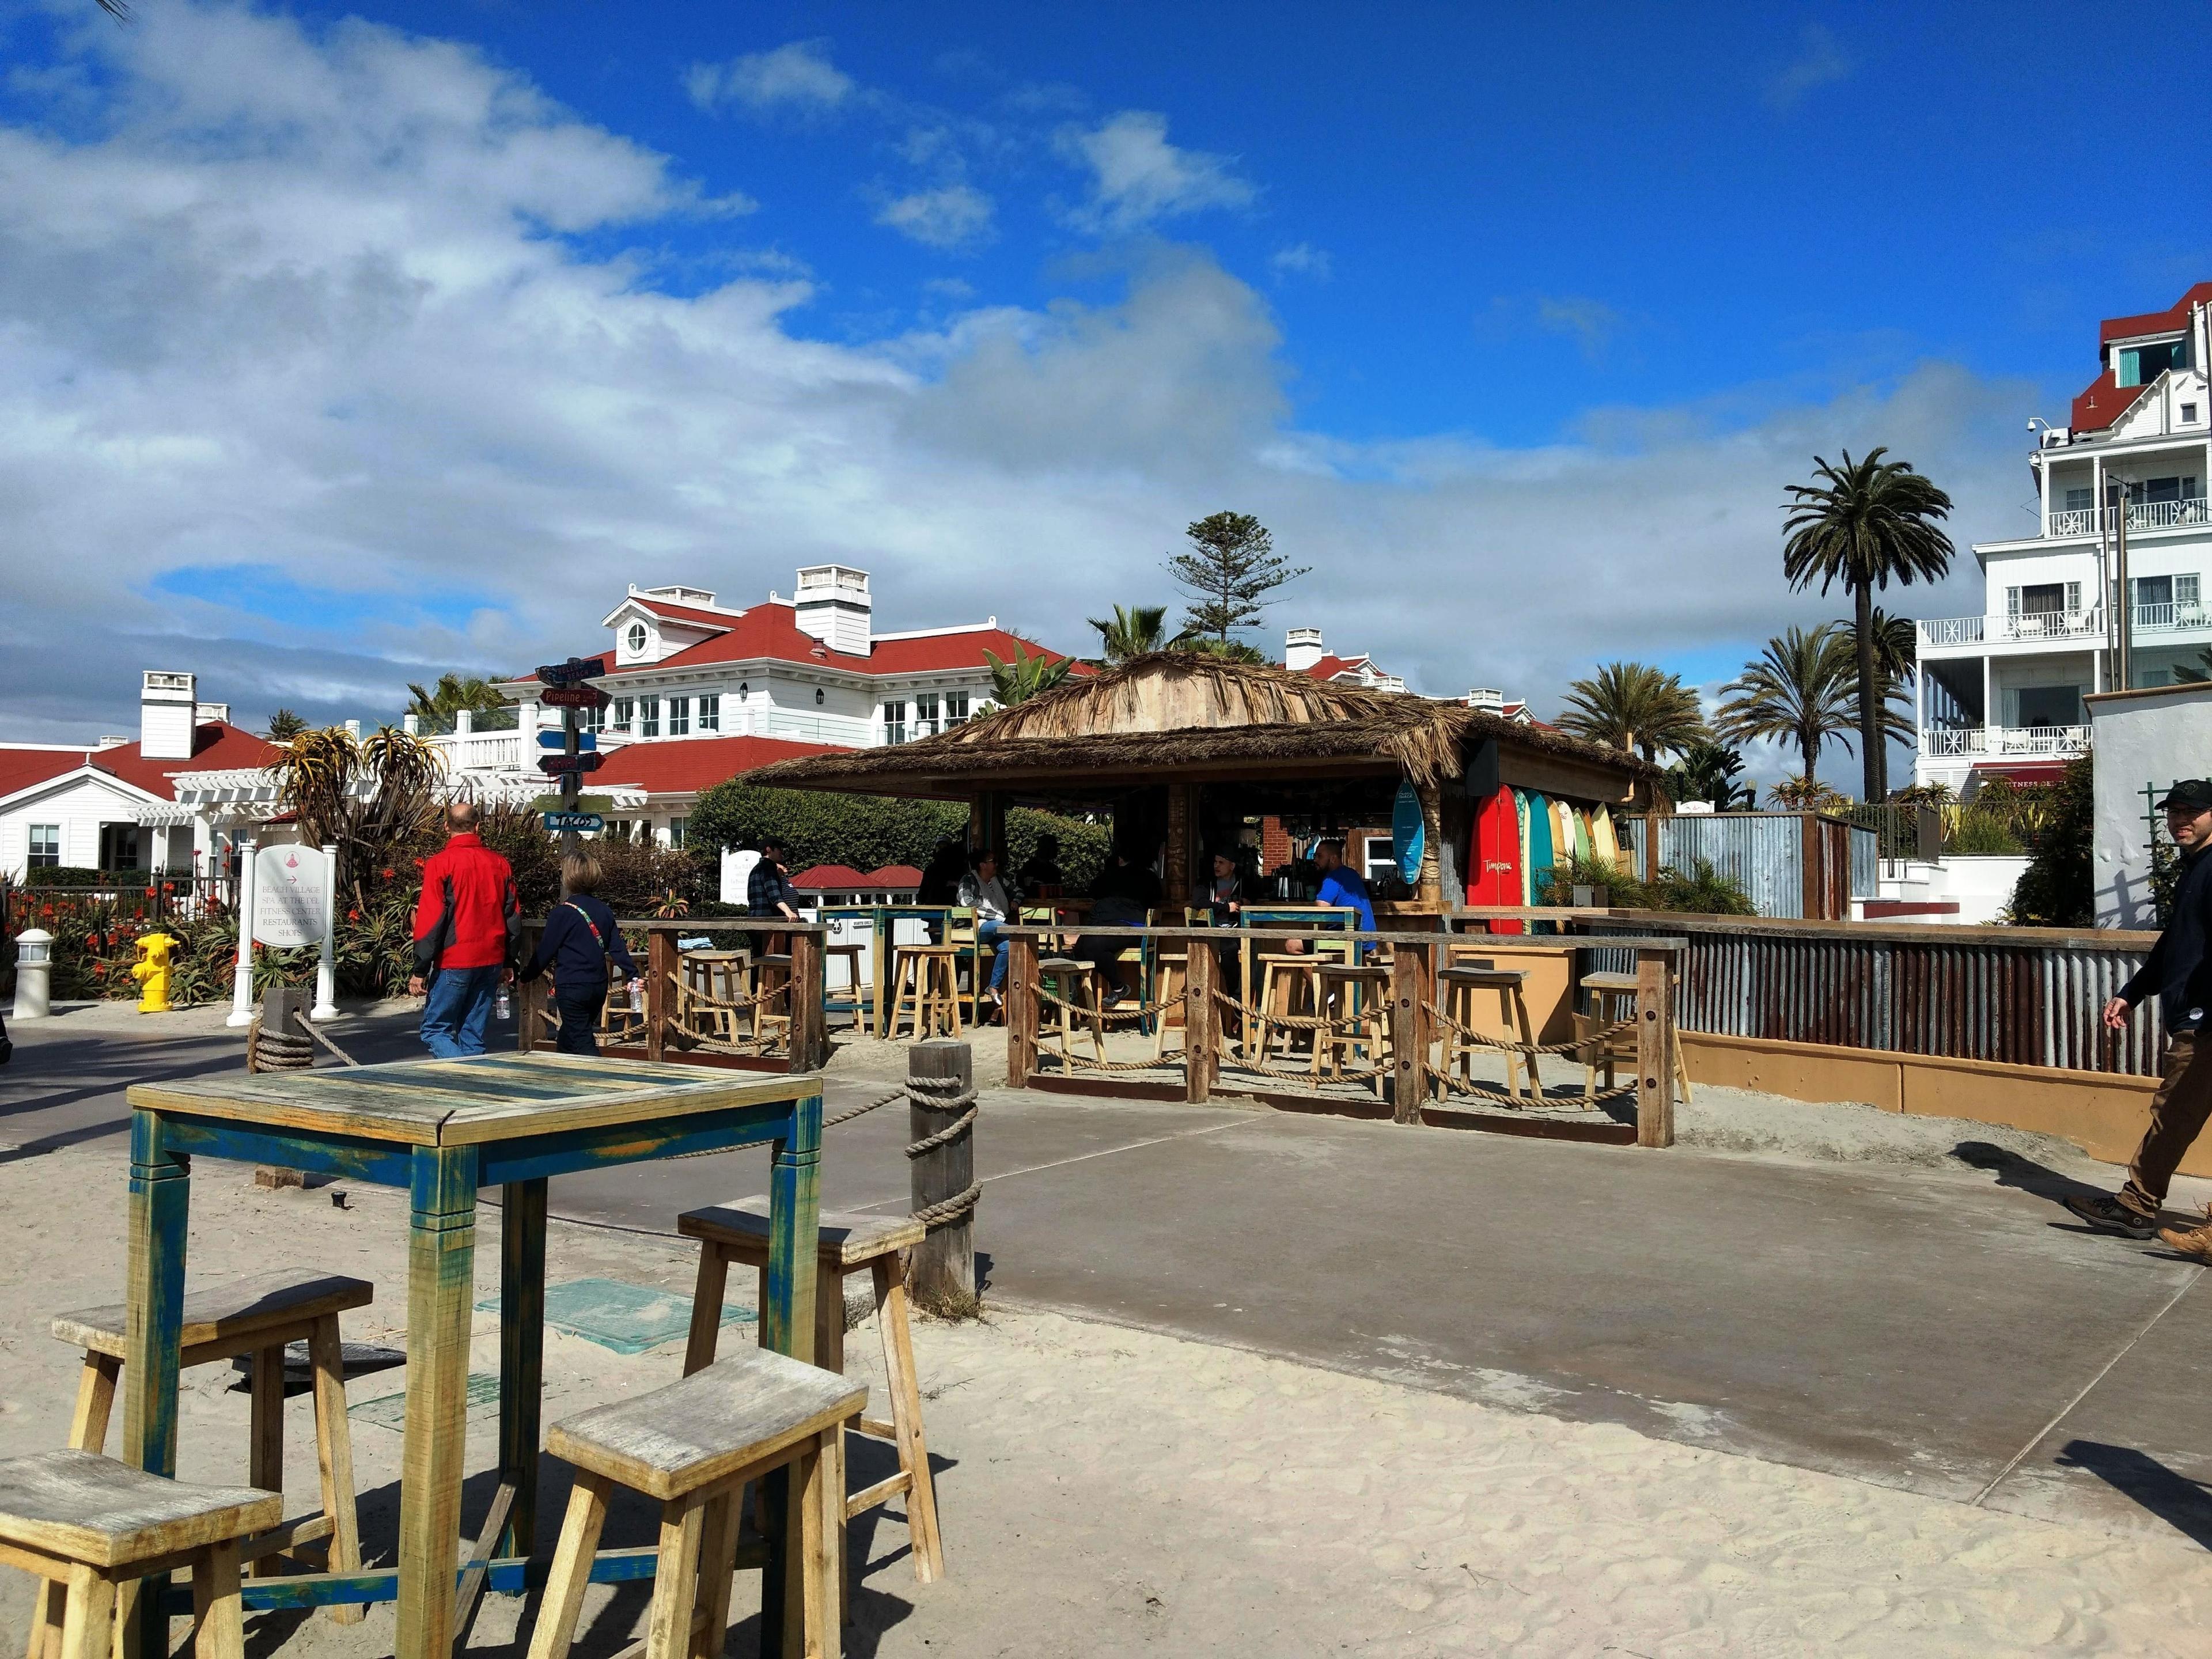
1408,833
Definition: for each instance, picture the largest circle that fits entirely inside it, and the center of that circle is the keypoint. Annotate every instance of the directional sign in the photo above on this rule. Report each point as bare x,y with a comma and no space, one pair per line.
588,823
574,671
585,740
574,696
561,765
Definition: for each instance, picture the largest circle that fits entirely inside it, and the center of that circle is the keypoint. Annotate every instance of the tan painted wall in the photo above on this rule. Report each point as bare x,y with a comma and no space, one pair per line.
2101,1113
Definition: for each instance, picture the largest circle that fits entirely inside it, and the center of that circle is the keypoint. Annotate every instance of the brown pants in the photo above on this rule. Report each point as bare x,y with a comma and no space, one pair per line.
2177,1115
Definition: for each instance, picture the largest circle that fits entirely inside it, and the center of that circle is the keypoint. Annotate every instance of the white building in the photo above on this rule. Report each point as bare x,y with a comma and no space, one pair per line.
2146,740
2002,692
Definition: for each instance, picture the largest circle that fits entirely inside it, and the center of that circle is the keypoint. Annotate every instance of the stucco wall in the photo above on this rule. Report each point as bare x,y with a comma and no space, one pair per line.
2152,736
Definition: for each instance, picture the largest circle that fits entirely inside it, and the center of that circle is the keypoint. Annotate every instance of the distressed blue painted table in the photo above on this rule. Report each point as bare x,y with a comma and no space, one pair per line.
445,1130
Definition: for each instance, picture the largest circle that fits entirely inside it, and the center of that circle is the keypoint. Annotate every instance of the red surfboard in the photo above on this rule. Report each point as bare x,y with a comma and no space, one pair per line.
1494,877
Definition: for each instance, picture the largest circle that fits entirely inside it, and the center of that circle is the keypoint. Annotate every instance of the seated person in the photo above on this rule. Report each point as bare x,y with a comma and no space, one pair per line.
982,891
580,944
1342,887
1041,877
1124,895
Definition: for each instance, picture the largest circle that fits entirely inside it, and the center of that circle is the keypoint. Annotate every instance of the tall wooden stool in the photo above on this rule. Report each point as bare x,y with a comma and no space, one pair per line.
1459,985
769,971
846,1242
1170,980
927,995
1071,979
1342,984
720,974
694,1445
1290,983
850,956
1613,999
259,1316
86,1524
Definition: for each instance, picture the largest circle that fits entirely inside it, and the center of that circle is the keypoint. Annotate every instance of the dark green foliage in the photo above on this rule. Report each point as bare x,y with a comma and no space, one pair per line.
76,875
1083,845
1229,568
1708,772
2059,886
1703,891
434,707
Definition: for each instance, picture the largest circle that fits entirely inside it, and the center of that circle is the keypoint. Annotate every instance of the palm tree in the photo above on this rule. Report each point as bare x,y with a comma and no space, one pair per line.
1028,674
284,726
1896,660
1632,705
1134,630
1863,524
1707,772
433,708
1798,689
1205,645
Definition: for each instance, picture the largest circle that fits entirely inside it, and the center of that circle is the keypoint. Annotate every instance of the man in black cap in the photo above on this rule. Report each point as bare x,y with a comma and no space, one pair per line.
2179,973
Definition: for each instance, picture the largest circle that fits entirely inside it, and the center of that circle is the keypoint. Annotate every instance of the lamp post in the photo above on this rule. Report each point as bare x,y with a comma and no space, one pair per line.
2124,601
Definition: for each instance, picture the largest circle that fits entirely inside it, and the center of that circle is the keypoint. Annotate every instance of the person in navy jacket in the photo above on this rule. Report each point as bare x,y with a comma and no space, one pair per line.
580,945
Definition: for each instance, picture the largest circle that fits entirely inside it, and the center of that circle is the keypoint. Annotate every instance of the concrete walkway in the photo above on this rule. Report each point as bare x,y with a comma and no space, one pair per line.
1946,1330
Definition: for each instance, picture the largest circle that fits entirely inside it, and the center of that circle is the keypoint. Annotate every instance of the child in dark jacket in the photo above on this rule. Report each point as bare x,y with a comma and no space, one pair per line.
580,941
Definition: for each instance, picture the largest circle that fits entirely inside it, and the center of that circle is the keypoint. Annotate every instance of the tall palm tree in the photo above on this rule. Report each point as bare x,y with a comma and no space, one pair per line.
1798,689
1133,631
1632,705
1864,524
1896,660
434,707
284,726
1707,772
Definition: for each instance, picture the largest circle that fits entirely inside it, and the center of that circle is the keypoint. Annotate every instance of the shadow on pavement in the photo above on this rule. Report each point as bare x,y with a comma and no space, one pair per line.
2183,1503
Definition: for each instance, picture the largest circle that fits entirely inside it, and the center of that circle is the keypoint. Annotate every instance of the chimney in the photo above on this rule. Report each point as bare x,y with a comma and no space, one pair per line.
833,606
167,707
1302,648
411,724
1489,697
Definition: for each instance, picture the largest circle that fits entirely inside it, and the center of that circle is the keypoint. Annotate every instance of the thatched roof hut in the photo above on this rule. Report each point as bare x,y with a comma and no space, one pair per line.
1181,722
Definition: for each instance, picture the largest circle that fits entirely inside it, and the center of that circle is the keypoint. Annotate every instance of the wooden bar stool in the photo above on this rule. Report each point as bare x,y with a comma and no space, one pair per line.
694,1445
850,956
1071,979
846,1242
1459,985
1613,999
927,993
86,1524
1170,980
1357,994
1290,983
770,1020
259,1316
720,974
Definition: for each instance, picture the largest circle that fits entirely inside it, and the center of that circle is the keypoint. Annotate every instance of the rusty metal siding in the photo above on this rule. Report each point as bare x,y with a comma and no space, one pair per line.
1978,998
1866,863
1763,854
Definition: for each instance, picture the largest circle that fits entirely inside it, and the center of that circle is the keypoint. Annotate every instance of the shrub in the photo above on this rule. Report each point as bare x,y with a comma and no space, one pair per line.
2058,889
1702,892
1981,833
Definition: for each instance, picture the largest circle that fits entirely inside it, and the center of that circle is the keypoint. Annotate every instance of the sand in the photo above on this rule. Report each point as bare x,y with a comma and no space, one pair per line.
1107,1490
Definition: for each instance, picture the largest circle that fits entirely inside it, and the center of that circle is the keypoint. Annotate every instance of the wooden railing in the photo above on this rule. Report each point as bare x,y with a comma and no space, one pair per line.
677,1023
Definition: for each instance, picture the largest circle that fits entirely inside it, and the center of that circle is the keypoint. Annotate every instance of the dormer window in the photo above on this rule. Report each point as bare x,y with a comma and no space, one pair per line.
636,638
2140,365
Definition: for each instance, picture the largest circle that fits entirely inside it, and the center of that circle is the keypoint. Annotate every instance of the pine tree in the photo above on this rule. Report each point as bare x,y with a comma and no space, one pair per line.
1230,569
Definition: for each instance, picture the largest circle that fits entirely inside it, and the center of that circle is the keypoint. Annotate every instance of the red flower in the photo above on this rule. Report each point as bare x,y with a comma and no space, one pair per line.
149,892
386,874
353,915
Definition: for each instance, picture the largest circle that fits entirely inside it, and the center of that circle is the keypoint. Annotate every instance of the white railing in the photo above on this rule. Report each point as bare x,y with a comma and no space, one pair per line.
1974,741
2172,618
2141,516
480,751
1951,631
2027,625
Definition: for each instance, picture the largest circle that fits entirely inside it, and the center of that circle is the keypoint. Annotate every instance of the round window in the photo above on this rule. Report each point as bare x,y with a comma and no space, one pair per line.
637,636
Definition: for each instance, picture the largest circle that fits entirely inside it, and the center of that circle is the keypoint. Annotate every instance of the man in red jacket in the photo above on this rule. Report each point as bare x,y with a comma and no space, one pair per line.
467,924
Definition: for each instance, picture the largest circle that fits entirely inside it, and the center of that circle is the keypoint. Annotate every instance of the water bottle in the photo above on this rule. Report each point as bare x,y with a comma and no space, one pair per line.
502,1006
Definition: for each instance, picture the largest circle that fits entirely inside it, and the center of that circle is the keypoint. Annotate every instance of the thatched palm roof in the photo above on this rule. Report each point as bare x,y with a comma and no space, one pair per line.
1172,712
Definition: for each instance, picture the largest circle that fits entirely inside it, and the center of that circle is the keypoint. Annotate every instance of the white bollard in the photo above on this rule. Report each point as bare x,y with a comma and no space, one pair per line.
242,982
326,968
34,969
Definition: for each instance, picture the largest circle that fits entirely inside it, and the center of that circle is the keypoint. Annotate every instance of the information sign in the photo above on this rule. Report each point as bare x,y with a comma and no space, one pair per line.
574,671
574,696
288,888
587,823
561,765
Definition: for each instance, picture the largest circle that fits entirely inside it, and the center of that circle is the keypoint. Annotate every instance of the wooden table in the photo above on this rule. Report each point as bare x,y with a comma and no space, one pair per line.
444,1129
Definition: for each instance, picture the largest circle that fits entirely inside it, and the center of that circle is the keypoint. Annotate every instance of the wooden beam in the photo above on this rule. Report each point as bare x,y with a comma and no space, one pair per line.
1655,1050
1411,989
1021,1012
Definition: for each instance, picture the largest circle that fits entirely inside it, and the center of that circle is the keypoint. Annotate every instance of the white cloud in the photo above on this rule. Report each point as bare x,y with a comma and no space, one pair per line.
1303,259
797,77
1821,61
1591,322
950,216
293,319
1137,178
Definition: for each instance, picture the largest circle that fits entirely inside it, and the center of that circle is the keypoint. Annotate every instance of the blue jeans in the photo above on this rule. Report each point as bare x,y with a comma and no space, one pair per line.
457,1009
987,934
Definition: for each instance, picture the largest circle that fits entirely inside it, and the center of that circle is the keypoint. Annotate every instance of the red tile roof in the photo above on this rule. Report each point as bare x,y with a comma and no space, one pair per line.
829,878
2107,400
1330,666
683,613
689,764
770,632
2104,403
21,768
217,747
2175,316
894,875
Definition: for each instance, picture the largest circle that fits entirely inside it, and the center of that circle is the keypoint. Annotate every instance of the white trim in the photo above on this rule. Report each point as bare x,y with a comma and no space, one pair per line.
990,626
31,792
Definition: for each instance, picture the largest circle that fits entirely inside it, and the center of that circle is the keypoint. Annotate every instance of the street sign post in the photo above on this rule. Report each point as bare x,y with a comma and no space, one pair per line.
568,689
574,671
585,742
569,823
568,765
574,696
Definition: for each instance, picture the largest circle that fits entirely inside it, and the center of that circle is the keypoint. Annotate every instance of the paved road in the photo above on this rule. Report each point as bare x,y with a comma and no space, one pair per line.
1947,1331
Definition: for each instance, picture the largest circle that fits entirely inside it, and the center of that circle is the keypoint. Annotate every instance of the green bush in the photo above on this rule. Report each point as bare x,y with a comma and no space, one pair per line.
2058,889
1702,892
1981,834
76,875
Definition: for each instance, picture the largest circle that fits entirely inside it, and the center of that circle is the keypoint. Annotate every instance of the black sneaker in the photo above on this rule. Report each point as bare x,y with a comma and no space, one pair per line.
2108,1215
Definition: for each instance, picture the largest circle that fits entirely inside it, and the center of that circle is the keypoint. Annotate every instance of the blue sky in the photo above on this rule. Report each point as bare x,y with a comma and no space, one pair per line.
379,338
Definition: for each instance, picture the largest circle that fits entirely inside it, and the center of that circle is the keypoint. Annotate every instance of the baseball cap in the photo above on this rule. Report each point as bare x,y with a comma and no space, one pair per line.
2195,793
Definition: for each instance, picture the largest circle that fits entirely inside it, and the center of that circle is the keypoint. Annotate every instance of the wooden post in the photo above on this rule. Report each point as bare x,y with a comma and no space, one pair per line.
530,1000
1430,888
1175,875
1410,994
521,1353
1201,1023
660,965
809,990
1021,1011
1651,847
160,1212
440,1267
941,1269
883,928
1808,871
1655,1049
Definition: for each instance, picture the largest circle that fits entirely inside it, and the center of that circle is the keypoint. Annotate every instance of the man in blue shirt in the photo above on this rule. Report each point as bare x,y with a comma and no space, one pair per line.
1342,887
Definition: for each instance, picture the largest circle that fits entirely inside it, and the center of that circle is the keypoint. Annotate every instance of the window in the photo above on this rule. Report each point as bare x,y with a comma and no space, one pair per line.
925,714
679,717
2167,490
2048,705
895,722
2042,599
2140,365
625,714
2188,414
45,848
649,717
2079,501
677,828
2186,592
2153,590
710,712
591,720
636,637
955,709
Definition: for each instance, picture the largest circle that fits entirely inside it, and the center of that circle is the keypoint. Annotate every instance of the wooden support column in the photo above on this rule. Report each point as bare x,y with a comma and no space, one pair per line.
1411,989
809,990
1201,1022
660,966
530,1000
1021,1011
1176,874
941,1269
1429,889
1655,1049
1651,847
441,1292
521,1353
160,1206
1810,906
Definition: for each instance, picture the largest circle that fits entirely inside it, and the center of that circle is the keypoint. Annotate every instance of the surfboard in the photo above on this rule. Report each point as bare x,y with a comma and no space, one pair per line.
1496,861
1408,833
1543,839
1605,841
1523,820
1582,848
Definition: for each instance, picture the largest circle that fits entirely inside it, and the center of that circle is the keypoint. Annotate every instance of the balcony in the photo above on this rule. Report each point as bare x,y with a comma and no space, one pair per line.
2027,625
2141,516
2153,619
2005,742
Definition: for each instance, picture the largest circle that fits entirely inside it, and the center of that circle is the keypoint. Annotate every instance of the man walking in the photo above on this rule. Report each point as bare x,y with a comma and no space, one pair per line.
467,924
2179,974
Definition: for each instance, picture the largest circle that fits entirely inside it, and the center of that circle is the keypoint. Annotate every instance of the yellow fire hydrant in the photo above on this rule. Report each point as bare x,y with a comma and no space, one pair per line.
152,971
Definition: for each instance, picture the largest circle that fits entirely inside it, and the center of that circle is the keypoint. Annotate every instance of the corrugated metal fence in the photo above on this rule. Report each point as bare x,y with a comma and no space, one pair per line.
1990,993
1765,854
